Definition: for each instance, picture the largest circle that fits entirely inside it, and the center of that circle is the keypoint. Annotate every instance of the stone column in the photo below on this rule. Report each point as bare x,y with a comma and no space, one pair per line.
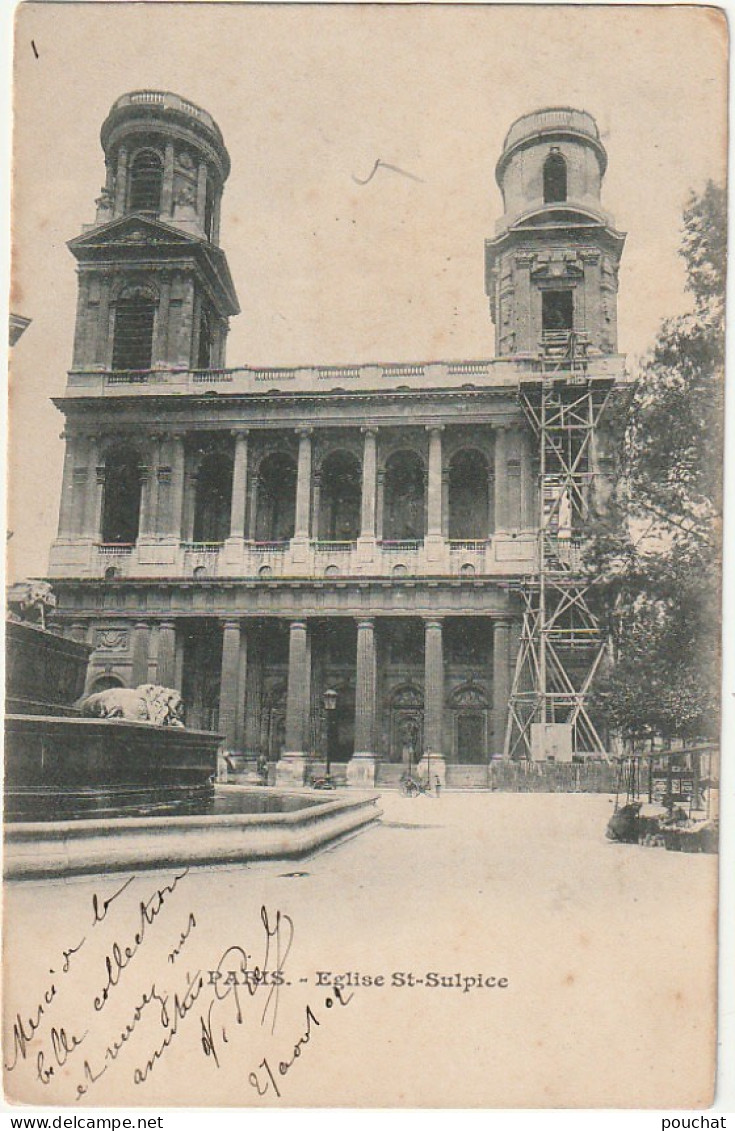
79,501
239,486
445,502
95,488
291,769
216,219
513,484
167,188
103,339
149,490
141,642
369,484
201,192
501,479
166,670
253,701
529,510
432,764
66,507
303,496
527,332
82,327
160,350
379,506
253,507
229,695
491,519
361,768
316,525
501,682
176,491
435,481
121,180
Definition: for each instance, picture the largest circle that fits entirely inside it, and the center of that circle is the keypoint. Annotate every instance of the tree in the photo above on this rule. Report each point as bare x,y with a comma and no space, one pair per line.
654,557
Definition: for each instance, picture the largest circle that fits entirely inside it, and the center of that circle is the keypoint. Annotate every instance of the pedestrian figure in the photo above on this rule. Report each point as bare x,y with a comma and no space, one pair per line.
437,786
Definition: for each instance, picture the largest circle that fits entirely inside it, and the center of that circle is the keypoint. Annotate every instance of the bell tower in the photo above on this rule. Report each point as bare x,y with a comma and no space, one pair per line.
552,267
155,291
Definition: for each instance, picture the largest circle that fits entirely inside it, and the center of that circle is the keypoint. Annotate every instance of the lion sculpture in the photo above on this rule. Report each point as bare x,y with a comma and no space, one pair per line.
149,703
32,601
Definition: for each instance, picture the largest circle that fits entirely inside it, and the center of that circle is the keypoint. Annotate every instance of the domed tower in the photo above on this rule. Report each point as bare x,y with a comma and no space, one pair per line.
552,267
155,290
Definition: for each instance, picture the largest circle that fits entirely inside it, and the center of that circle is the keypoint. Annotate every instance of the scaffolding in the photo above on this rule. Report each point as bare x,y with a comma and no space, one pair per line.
561,645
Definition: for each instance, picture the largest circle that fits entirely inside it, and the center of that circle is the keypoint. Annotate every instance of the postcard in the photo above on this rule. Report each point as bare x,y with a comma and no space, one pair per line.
363,620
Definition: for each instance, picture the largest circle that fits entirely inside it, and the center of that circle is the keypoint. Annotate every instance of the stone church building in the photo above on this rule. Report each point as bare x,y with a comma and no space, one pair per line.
325,560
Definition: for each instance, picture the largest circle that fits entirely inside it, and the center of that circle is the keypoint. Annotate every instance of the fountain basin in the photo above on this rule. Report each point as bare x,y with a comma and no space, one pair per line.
57,751
45,849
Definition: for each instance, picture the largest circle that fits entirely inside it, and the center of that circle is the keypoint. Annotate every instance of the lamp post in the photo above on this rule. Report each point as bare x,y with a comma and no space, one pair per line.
329,700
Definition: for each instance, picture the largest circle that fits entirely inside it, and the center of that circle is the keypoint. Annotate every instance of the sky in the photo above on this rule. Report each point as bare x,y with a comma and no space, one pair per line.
308,98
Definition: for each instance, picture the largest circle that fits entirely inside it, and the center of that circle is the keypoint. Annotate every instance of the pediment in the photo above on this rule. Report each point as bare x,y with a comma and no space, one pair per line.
127,234
133,230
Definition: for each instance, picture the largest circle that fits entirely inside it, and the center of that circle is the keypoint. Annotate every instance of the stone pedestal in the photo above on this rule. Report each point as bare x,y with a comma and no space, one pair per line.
361,771
291,770
366,550
233,551
432,768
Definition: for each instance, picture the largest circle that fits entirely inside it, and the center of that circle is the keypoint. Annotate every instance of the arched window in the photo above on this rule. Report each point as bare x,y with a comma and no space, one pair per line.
469,503
146,178
121,501
105,683
276,504
132,343
555,179
213,498
340,499
403,507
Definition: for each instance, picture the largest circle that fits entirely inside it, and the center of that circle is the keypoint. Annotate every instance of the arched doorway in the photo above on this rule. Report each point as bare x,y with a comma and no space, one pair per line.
340,498
404,516
275,513
470,707
407,725
469,496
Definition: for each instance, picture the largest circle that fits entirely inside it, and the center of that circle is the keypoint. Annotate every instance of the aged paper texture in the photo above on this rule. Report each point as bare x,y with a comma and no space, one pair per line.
315,498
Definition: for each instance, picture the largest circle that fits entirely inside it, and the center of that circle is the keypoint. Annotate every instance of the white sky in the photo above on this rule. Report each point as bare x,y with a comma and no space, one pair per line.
328,271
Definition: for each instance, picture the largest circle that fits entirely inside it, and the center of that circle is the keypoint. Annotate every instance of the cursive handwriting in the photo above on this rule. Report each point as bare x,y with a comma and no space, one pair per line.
268,1079
234,976
176,950
121,956
100,915
24,1031
180,1008
62,1046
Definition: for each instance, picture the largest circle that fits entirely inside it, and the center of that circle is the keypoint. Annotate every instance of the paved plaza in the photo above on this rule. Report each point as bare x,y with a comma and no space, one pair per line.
608,951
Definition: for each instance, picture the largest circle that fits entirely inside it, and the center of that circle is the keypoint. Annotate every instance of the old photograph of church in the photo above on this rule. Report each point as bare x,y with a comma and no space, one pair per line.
366,430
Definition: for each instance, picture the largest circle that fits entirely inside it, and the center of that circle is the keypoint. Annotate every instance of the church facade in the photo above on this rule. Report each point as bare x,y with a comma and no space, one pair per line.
324,560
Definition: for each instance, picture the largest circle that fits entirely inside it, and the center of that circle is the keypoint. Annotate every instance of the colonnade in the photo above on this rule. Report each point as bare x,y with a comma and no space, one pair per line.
167,486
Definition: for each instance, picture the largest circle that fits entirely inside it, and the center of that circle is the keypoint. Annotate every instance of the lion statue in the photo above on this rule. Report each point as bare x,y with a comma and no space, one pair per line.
32,601
149,703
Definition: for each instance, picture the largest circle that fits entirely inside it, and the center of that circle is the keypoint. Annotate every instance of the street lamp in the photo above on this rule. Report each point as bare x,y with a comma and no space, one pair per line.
330,703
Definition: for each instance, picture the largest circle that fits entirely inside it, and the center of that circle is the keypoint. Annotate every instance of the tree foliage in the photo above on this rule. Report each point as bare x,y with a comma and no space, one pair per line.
654,555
